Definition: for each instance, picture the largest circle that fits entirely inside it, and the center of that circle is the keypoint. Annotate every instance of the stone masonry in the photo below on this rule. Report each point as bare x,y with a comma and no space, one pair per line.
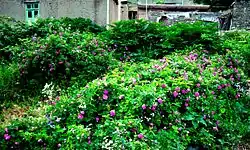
241,15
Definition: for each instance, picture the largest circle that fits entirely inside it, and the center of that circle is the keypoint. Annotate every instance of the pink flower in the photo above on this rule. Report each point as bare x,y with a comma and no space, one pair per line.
163,86
6,130
175,94
7,137
144,106
187,100
186,104
140,136
153,108
160,100
198,85
219,87
112,113
80,116
97,119
183,91
89,141
106,92
196,94
105,97
213,92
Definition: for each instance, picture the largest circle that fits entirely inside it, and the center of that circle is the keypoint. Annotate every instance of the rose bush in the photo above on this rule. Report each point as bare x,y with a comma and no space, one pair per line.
180,100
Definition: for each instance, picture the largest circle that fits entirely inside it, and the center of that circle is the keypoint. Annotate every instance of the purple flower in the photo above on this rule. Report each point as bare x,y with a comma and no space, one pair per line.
97,119
140,136
213,92
89,141
219,87
160,100
196,94
144,106
188,90
153,107
106,92
163,86
105,97
186,104
7,137
198,85
82,112
183,91
175,94
187,100
112,113
80,116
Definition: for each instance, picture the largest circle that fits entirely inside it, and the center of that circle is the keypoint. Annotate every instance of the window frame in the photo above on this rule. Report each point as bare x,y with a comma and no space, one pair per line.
30,7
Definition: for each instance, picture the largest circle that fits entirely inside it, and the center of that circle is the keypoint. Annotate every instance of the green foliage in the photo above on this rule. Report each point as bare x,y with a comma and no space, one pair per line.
182,35
195,95
11,31
59,58
238,42
136,38
9,77
191,99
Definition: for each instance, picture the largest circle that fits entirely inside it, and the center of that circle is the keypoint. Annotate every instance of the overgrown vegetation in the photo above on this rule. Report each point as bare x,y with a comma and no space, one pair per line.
138,85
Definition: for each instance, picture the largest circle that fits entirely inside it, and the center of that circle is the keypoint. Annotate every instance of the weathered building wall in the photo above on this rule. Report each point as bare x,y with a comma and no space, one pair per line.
113,11
12,8
93,9
241,15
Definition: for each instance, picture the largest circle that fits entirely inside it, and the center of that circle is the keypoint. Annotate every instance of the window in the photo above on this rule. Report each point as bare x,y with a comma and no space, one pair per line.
31,11
132,15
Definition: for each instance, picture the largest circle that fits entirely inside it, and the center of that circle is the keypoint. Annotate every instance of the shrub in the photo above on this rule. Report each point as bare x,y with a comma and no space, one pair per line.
11,31
180,100
238,42
60,57
9,77
182,35
136,39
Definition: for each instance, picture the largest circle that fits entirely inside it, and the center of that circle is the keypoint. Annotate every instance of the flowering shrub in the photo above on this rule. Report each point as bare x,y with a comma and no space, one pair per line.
195,98
60,57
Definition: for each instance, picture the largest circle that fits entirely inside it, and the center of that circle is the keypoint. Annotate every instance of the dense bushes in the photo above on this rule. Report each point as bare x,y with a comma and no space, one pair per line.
58,58
11,31
194,96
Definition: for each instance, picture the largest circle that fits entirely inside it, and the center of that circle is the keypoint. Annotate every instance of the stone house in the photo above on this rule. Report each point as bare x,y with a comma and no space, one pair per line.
101,11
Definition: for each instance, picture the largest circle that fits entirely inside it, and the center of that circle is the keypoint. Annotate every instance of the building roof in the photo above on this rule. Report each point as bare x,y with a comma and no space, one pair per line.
180,7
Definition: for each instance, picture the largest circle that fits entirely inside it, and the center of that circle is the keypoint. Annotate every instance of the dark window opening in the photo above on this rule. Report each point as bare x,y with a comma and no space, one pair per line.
35,13
35,5
28,5
132,15
29,14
